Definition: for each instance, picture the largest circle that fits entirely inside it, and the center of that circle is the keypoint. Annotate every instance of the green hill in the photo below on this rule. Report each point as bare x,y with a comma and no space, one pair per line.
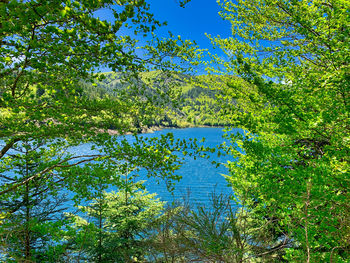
192,103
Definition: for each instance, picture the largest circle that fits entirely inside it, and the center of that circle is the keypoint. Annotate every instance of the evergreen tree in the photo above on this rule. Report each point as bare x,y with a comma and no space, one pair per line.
32,225
115,226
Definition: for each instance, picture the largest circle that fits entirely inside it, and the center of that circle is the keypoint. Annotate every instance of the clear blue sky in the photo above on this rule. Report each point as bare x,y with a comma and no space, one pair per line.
191,22
198,17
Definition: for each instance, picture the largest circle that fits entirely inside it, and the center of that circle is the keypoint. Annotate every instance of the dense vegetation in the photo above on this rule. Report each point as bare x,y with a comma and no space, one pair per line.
196,103
292,173
290,95
47,49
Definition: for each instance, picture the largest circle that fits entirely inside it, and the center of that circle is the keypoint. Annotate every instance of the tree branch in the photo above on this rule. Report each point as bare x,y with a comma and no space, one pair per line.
58,165
8,146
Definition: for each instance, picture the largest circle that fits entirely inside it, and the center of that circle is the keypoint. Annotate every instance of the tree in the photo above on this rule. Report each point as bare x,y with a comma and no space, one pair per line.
293,104
212,233
49,50
32,225
115,226
218,231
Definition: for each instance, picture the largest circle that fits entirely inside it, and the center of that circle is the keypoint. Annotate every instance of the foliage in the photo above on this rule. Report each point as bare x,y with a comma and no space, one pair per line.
211,233
195,102
49,51
115,226
293,161
218,231
36,60
32,223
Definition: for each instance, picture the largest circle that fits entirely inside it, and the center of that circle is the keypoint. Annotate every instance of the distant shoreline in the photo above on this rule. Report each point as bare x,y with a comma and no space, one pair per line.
153,129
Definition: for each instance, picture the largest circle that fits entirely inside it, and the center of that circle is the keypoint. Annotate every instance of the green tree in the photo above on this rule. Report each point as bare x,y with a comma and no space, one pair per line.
293,103
218,231
45,236
49,50
32,226
115,225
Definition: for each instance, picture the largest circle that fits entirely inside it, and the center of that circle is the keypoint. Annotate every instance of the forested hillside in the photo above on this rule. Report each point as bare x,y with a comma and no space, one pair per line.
195,98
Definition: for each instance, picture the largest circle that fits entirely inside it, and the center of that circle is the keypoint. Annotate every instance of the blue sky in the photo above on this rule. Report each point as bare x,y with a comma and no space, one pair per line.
191,22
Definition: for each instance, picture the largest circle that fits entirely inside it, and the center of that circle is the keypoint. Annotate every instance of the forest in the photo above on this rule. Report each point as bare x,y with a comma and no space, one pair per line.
283,77
196,100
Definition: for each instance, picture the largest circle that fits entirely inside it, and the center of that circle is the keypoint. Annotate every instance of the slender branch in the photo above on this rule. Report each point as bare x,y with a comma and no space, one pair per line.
275,248
58,165
8,146
307,215
25,63
332,252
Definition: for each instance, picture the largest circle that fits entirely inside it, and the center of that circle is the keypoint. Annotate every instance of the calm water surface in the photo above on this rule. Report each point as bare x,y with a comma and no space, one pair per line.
199,177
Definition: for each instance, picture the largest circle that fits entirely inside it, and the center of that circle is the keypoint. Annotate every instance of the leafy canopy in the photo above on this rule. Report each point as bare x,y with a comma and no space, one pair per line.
49,50
293,162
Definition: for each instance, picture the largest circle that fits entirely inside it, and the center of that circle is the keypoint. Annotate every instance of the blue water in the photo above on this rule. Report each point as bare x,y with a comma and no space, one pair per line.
199,177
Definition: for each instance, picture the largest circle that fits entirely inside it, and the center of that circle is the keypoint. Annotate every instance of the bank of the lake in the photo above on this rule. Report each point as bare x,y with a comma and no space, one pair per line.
155,128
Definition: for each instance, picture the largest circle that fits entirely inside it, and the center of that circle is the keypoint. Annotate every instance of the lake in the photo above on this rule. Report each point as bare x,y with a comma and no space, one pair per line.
199,177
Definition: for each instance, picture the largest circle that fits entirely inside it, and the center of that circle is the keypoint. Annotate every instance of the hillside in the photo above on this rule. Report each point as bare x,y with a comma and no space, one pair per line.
192,102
